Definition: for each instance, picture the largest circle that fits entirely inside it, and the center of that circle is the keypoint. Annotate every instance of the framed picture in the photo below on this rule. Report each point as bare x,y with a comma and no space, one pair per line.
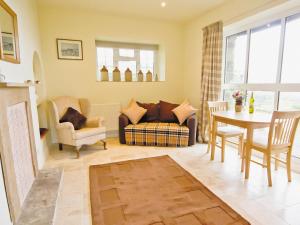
69,49
8,43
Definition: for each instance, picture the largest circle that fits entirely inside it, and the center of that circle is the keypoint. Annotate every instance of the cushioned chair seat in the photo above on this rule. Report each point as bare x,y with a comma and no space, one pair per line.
157,134
229,130
87,132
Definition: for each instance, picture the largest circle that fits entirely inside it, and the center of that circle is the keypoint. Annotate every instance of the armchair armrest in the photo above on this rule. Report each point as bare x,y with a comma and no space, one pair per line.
94,122
123,122
65,133
65,125
192,125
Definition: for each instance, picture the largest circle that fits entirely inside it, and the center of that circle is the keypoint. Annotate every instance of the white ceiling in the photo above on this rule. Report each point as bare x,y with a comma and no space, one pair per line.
175,10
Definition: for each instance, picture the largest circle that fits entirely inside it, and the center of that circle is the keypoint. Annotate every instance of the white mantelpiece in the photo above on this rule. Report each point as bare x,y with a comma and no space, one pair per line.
17,143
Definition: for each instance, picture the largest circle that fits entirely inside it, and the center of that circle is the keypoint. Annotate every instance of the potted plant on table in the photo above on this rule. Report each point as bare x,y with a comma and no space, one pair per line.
239,98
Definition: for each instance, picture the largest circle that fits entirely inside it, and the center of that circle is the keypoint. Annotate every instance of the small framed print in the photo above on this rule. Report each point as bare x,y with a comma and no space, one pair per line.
8,43
69,49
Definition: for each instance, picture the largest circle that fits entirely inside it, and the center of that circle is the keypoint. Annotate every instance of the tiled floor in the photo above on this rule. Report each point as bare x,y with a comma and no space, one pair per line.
253,199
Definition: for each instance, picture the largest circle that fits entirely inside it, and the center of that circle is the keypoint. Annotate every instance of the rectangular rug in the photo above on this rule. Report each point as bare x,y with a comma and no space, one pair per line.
154,191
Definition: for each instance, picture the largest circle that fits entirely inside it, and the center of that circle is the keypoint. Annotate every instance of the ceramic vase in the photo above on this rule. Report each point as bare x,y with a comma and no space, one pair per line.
104,74
149,76
116,75
140,76
128,75
238,106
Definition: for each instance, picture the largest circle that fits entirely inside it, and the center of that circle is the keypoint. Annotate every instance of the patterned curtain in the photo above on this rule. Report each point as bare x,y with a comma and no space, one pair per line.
211,73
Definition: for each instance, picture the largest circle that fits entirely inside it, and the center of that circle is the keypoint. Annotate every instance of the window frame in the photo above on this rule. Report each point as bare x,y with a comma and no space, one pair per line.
276,87
116,46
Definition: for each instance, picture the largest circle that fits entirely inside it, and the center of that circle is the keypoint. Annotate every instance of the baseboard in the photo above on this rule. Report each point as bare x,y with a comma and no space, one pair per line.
112,133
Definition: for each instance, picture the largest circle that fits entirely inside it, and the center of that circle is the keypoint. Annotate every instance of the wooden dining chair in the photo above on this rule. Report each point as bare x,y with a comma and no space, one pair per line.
280,139
224,132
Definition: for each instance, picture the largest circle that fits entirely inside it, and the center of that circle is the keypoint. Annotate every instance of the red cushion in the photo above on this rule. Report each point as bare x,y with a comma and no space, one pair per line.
165,112
152,113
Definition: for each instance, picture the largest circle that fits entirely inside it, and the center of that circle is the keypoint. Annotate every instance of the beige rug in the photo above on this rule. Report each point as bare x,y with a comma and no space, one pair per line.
154,191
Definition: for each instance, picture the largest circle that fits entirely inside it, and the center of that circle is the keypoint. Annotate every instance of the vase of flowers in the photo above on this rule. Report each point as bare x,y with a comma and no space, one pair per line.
238,96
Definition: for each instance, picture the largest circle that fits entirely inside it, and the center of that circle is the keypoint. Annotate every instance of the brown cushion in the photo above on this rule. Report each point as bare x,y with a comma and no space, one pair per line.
152,113
165,112
73,116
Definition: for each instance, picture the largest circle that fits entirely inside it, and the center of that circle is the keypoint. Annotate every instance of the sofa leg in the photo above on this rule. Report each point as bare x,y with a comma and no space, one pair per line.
60,146
104,144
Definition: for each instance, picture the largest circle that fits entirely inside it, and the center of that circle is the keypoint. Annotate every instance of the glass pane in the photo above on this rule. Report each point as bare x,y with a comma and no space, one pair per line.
291,101
291,53
147,61
235,61
264,52
227,96
126,52
105,57
123,65
263,101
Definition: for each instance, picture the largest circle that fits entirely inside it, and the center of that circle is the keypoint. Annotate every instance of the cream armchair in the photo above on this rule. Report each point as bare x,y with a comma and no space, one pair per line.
93,131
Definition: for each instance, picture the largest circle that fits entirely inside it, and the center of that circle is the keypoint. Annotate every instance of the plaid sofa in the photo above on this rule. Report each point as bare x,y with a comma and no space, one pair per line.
158,133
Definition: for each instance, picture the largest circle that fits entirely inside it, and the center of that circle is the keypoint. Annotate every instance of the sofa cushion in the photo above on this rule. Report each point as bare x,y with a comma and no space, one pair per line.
73,116
134,112
183,111
152,113
157,134
165,112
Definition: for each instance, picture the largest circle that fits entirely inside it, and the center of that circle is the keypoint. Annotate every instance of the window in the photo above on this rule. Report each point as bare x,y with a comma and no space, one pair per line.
264,101
136,57
264,52
105,57
147,61
235,64
291,54
265,60
228,97
291,101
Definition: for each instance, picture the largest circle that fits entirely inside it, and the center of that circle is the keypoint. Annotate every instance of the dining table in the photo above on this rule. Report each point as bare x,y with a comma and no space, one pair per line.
244,120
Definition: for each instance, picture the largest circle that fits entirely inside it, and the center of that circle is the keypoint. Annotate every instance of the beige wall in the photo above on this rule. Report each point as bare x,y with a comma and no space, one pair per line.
78,78
230,12
26,11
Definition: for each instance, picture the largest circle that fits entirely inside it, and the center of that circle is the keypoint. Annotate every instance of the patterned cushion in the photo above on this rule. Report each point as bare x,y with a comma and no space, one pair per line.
157,134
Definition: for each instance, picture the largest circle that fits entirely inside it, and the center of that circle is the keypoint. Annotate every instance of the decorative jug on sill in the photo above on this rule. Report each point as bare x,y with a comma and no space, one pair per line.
104,74
140,76
116,74
149,76
128,75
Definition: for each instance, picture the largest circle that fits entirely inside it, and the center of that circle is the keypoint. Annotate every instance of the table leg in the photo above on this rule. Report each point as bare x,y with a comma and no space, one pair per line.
248,151
213,137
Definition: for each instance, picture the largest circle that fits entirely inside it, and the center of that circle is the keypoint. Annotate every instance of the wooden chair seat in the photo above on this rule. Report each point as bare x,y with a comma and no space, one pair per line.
229,131
224,132
279,139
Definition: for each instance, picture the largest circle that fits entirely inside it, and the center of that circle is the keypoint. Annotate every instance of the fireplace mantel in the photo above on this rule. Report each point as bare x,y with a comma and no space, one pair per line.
17,143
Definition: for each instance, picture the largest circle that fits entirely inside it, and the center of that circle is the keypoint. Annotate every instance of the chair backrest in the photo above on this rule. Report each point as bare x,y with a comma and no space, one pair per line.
64,102
283,129
215,107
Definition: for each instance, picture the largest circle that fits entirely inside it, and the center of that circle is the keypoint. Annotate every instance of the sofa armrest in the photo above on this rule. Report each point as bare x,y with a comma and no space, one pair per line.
123,122
192,125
